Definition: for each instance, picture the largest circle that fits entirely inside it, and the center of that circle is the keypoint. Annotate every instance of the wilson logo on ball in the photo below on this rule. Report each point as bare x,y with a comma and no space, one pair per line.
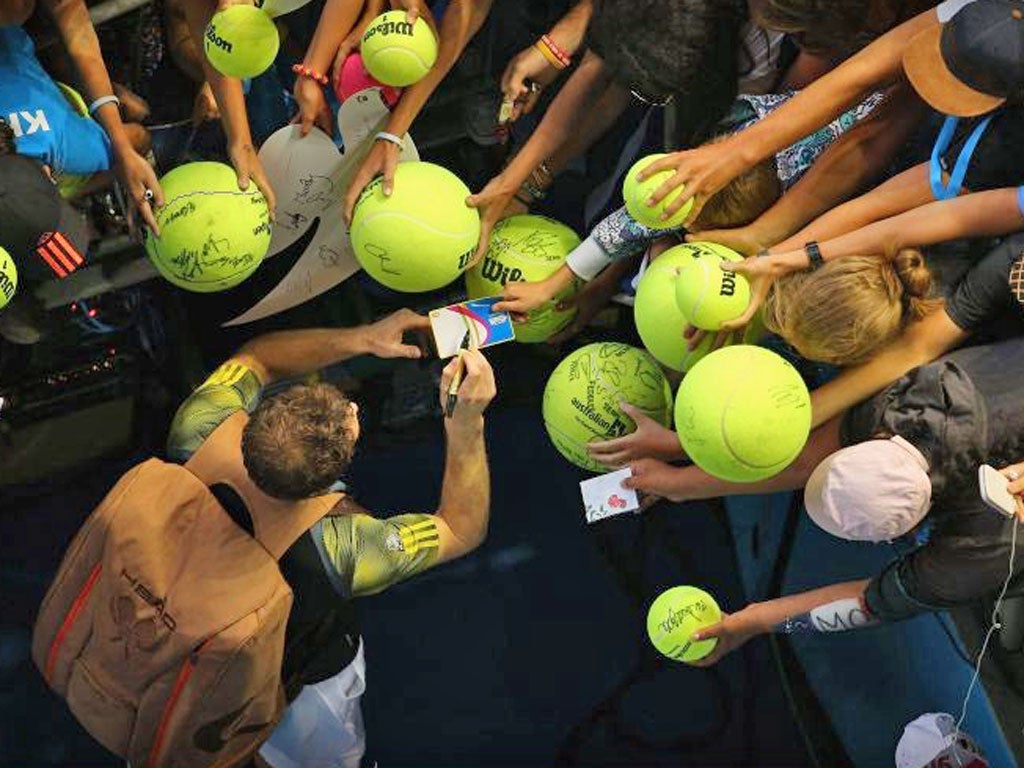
497,272
214,39
390,28
728,284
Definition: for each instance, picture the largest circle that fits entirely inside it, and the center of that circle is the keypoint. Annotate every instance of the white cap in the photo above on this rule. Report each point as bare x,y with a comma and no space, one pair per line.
873,491
934,736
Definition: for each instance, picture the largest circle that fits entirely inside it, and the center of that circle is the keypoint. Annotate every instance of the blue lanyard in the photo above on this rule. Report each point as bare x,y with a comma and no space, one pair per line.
963,161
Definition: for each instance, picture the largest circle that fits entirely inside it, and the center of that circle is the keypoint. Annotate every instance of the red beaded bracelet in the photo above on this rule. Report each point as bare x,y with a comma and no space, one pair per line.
303,71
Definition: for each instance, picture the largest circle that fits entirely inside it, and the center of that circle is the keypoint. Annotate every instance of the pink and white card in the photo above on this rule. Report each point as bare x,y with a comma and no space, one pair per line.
604,496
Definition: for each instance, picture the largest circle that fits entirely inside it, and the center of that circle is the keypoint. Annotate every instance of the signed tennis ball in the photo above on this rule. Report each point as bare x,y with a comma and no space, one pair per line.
658,319
241,41
636,193
528,248
708,295
8,278
582,397
397,52
673,618
422,236
743,413
212,234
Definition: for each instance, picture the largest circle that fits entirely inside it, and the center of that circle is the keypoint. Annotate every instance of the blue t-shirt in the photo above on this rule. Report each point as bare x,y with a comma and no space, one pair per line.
45,126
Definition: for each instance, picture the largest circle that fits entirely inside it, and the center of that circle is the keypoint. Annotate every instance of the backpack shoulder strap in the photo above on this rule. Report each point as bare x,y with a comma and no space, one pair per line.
277,523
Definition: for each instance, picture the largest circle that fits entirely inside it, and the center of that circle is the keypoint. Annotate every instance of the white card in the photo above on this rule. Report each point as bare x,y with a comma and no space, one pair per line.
310,177
604,496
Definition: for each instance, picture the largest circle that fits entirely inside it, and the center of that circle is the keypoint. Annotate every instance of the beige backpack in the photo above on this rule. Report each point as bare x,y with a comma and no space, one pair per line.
164,627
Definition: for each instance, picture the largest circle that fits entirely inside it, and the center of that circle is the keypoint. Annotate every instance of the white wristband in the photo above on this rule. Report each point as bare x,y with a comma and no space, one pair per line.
111,99
588,259
390,137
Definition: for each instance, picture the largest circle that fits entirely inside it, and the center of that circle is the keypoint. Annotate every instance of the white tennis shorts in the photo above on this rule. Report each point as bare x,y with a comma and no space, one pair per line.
323,727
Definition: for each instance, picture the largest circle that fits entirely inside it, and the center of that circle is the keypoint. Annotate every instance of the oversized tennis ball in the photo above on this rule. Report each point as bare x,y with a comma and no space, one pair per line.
660,322
528,248
709,296
8,278
353,78
397,52
658,319
213,235
241,41
582,397
636,194
743,413
675,615
422,236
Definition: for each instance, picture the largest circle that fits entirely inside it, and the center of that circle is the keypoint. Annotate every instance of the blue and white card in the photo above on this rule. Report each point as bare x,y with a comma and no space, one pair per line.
477,317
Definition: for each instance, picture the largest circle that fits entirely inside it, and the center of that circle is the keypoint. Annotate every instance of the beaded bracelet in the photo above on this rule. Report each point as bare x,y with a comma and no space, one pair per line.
303,71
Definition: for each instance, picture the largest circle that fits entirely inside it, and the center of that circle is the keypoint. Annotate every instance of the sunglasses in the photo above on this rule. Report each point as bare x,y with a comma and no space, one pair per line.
650,101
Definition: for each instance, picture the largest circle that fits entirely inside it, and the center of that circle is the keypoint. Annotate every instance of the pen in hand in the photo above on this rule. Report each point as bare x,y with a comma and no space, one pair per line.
453,388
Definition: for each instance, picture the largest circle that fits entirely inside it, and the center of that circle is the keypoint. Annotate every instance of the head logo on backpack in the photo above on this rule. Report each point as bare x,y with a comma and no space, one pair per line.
164,626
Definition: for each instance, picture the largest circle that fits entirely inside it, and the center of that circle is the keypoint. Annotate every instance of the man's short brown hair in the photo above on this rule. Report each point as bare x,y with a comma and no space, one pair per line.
298,442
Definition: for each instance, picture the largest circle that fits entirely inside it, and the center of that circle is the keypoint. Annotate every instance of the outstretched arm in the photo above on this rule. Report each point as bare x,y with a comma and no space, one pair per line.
900,194
835,608
336,21
707,169
921,343
231,103
375,554
980,214
845,168
285,354
653,476
79,36
588,81
462,20
530,67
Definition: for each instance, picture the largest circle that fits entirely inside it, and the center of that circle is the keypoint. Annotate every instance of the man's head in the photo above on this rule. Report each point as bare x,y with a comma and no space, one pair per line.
873,491
299,442
974,62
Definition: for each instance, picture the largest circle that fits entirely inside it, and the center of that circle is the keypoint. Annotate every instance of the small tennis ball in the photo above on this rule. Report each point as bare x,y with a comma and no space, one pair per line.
706,294
582,397
397,52
743,414
422,236
528,248
636,194
241,41
354,78
8,278
675,615
212,234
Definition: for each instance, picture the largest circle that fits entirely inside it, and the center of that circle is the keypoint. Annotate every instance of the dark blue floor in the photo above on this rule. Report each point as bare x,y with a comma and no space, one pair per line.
530,652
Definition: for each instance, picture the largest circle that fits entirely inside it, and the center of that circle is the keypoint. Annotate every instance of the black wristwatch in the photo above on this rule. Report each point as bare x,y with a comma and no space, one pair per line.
813,251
